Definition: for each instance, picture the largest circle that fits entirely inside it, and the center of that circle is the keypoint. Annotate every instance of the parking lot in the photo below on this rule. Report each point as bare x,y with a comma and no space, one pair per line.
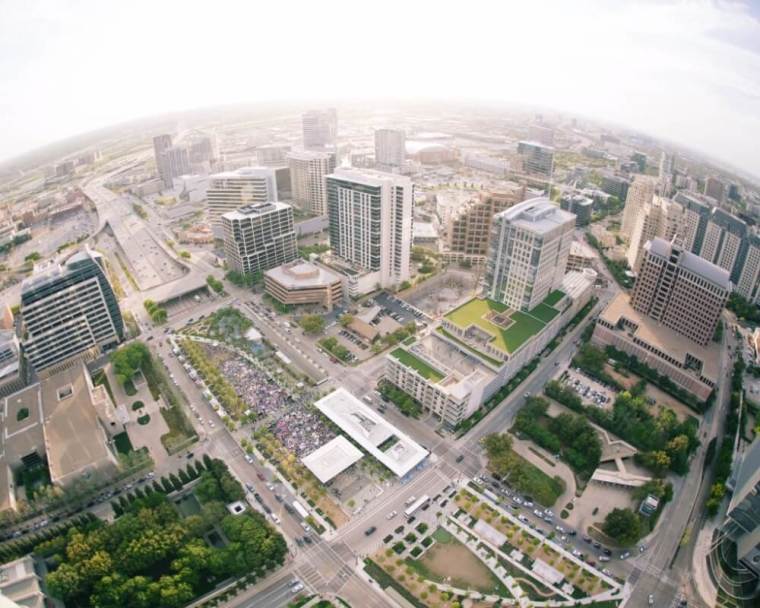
590,391
399,310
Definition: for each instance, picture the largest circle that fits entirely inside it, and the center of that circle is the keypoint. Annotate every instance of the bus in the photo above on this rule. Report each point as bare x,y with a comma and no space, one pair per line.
300,509
422,500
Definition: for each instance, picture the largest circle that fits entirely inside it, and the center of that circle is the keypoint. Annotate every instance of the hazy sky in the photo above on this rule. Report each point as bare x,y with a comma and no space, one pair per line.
684,71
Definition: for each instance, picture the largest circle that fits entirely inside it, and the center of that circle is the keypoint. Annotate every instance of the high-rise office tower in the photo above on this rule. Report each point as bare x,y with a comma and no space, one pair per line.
469,228
390,147
580,206
748,281
233,189
69,310
537,159
662,217
161,143
259,236
696,215
715,189
530,244
542,134
725,241
320,128
172,163
680,290
308,169
370,214
640,194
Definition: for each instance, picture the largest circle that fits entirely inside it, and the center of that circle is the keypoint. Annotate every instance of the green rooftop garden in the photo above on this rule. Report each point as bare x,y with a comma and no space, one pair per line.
512,335
409,360
554,297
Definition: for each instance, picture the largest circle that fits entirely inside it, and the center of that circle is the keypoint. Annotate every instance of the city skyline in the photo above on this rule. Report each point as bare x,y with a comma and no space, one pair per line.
661,57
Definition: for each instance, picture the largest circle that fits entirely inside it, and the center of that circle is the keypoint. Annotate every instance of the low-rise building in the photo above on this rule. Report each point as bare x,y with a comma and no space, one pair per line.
581,256
478,347
63,423
22,585
301,282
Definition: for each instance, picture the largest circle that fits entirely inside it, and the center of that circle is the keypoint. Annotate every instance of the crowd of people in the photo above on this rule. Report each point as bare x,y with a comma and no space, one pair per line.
302,430
262,395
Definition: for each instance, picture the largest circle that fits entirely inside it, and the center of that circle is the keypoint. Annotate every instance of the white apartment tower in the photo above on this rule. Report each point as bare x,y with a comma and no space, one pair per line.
530,244
640,194
370,215
308,170
234,189
390,147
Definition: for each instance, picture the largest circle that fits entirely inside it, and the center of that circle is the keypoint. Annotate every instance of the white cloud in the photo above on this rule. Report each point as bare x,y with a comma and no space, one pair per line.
685,71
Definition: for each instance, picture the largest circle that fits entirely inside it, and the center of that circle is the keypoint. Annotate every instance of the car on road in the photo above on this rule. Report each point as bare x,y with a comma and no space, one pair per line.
528,503
410,500
460,458
537,512
260,476
650,600
370,531
391,515
625,555
249,459
297,588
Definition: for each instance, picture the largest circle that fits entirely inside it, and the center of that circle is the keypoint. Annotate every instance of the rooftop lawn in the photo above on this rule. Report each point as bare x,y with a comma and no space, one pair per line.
554,297
510,339
544,312
409,360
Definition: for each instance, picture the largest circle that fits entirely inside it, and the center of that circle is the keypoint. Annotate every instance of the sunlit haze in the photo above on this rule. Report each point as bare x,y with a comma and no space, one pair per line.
688,72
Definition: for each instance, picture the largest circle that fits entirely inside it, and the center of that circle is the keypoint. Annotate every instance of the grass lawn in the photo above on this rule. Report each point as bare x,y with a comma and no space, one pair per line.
409,360
554,297
453,563
122,443
544,312
524,326
529,479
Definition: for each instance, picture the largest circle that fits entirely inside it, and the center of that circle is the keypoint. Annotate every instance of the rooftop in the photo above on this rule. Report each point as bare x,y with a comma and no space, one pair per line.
390,446
255,209
508,329
300,274
537,215
332,458
367,177
692,262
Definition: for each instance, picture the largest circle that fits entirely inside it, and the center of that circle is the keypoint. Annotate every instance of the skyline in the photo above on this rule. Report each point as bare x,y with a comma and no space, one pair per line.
687,73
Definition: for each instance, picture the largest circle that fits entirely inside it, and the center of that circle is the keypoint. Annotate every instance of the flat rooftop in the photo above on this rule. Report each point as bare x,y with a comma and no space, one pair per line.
255,210
663,338
302,275
389,445
508,329
332,458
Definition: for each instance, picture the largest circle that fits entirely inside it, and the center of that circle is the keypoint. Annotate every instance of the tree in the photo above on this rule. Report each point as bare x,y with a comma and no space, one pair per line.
312,324
622,525
346,319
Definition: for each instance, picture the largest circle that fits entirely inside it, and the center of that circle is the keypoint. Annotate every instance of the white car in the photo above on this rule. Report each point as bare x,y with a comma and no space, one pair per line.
249,459
391,515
